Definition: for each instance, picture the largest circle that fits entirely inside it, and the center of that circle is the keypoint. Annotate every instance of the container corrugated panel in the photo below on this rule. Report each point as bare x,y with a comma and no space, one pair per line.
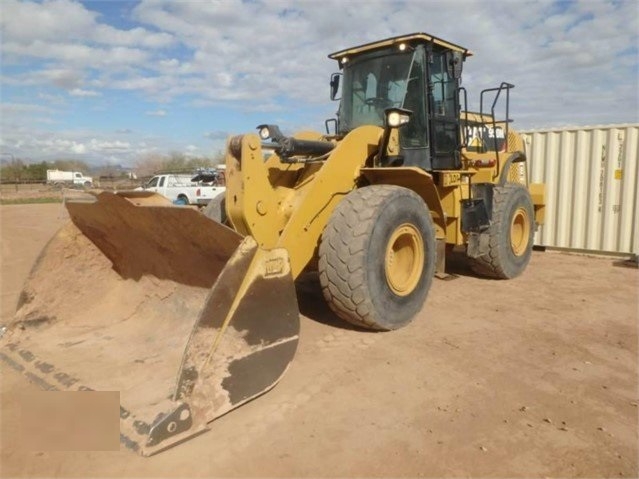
591,173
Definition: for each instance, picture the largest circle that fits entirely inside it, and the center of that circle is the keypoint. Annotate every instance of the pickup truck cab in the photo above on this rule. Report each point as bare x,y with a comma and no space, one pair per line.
182,190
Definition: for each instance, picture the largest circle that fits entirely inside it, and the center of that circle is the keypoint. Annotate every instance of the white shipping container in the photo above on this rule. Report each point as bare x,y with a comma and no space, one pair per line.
592,202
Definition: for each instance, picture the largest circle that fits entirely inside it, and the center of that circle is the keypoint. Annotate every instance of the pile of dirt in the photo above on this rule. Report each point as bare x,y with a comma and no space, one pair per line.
104,330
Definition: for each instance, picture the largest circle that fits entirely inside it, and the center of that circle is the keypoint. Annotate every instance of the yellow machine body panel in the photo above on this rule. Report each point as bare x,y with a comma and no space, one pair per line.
291,213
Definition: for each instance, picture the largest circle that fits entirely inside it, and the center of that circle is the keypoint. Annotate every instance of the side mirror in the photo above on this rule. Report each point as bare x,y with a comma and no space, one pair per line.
335,85
455,61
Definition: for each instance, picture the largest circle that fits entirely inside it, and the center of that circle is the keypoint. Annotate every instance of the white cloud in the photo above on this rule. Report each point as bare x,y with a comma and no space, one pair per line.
154,84
81,92
564,58
78,148
101,145
60,21
20,108
61,77
54,20
156,113
77,55
32,143
140,37
545,42
169,64
67,46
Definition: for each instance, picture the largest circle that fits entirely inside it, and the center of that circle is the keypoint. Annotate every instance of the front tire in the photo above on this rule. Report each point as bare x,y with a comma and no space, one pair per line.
377,257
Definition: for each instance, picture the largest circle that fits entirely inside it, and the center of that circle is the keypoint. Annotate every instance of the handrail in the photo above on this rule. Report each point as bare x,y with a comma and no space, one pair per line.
504,86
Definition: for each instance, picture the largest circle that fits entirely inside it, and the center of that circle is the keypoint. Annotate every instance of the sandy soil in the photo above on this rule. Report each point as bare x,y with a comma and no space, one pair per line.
535,377
23,191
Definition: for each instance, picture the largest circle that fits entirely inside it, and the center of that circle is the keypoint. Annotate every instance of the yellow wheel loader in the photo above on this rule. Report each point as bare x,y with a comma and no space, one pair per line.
190,314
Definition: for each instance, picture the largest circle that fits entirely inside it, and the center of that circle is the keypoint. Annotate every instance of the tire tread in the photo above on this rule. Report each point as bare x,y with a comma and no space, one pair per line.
342,249
492,264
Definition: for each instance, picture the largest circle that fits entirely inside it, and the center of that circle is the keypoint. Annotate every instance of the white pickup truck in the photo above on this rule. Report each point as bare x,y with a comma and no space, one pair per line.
182,190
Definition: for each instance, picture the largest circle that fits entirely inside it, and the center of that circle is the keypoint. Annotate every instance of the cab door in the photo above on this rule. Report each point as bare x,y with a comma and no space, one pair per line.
414,137
152,185
443,111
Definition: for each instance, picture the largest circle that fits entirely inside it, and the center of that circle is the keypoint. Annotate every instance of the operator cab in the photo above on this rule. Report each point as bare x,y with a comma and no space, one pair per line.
416,72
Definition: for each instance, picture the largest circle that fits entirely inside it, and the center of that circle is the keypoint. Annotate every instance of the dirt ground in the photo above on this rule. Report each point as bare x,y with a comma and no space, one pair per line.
534,377
14,192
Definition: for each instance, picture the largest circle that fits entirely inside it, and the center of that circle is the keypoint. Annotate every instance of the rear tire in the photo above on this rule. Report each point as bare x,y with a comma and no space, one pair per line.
377,257
182,200
510,242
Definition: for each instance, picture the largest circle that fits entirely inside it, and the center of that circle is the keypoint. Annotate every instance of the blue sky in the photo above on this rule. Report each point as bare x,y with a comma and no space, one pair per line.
115,81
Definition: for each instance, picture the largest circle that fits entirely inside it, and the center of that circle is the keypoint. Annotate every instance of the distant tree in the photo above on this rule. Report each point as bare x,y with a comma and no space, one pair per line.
12,171
175,162
71,165
38,171
218,158
18,170
149,164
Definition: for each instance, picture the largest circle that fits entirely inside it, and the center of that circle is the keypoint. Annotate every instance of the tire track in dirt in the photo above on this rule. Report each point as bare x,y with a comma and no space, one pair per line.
308,378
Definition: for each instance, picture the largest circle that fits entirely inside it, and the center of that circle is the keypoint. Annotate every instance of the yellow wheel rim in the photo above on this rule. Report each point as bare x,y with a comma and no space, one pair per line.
404,259
520,232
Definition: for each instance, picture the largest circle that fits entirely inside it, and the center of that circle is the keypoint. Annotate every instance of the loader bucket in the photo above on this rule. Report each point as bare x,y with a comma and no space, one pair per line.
180,314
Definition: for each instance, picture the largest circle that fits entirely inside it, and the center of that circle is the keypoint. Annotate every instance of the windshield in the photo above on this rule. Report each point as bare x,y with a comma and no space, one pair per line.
373,83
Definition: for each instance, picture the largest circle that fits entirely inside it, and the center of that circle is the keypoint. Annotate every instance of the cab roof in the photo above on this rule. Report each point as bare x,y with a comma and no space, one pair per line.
413,38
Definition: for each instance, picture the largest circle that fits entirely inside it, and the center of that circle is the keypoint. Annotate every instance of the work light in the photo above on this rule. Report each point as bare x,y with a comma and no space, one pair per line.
396,117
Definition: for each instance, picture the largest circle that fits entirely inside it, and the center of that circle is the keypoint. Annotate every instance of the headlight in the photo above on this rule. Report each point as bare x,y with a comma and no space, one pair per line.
269,131
396,117
265,134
